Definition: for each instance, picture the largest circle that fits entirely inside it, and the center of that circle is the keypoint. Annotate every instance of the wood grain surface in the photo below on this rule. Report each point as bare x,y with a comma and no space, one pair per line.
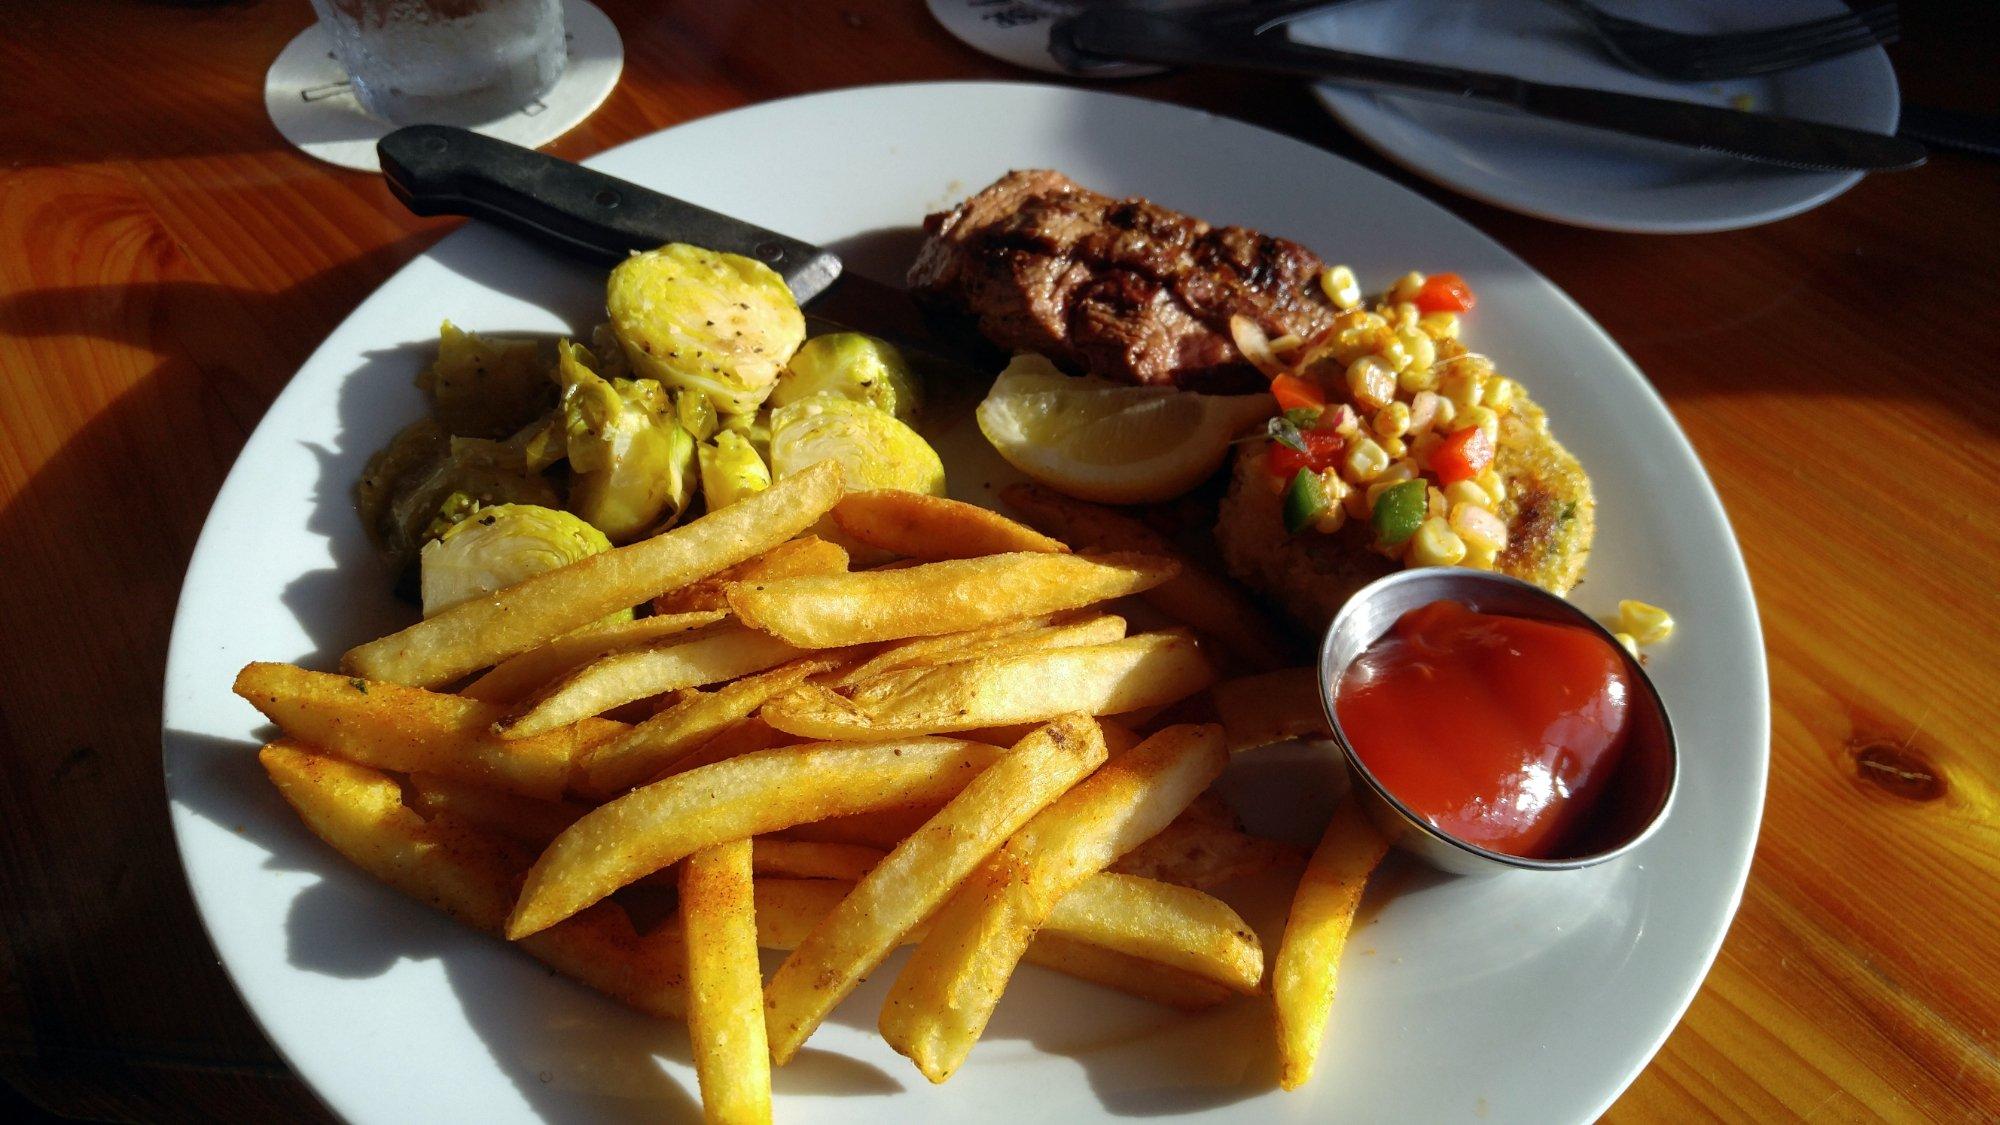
167,262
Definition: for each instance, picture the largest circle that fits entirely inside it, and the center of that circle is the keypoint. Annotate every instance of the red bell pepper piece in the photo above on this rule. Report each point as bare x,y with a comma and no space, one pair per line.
1462,455
1322,450
1293,392
1445,292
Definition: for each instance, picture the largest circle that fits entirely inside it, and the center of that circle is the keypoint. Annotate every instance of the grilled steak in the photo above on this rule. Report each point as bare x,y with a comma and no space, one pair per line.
1122,288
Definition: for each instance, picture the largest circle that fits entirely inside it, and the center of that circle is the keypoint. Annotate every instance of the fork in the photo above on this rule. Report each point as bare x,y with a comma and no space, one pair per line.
1686,57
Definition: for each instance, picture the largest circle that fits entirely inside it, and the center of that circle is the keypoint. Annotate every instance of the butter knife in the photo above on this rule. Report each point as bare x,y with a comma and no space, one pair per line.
1139,36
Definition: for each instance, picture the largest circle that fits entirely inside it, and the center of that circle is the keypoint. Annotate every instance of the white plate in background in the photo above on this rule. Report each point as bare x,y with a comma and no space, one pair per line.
1524,997
1588,177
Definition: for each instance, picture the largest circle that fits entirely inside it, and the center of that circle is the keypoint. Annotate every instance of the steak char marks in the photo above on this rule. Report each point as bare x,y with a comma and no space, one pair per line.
1121,288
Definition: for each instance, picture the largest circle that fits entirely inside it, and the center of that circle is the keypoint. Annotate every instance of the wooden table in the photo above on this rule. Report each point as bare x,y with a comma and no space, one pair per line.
167,262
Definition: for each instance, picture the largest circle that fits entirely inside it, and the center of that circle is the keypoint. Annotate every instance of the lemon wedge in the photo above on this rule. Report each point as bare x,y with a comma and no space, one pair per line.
873,448
1108,442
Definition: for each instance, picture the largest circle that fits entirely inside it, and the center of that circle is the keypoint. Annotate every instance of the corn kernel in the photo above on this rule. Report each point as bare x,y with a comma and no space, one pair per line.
1478,527
1628,642
1439,325
1494,486
1337,492
1423,350
1482,417
1467,492
1500,394
1371,381
1423,411
1413,379
1355,502
1392,420
1435,506
1464,384
1407,287
1421,449
1445,417
1436,544
1648,624
1392,351
1340,286
1365,461
1394,446
1403,317
1478,558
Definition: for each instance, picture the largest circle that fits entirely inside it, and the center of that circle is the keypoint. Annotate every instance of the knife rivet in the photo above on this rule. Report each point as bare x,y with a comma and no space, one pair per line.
605,197
770,251
435,144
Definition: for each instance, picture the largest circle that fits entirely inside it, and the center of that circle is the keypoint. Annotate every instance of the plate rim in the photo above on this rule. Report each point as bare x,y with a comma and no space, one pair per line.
1758,703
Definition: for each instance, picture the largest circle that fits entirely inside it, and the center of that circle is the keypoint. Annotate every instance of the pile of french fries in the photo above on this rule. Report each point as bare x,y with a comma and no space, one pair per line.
957,750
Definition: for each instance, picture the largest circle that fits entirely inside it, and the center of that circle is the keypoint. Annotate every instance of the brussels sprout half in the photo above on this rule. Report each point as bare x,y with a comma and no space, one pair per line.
874,449
850,365
721,324
484,387
632,466
731,468
493,548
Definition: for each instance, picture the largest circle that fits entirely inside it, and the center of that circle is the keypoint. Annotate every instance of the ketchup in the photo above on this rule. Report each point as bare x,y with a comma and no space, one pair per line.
1498,730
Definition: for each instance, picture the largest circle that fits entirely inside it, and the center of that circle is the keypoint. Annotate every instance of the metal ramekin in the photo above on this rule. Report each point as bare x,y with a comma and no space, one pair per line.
1639,794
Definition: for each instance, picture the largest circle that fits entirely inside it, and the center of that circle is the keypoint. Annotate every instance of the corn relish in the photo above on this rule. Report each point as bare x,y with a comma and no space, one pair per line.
1389,421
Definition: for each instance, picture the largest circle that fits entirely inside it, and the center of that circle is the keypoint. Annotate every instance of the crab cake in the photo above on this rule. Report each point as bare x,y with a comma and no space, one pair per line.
1549,512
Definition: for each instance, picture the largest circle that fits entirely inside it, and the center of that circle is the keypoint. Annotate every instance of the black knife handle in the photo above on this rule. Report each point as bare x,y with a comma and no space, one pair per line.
445,170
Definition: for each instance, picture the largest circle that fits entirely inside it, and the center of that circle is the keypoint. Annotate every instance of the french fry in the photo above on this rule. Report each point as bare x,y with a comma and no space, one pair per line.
1105,679
908,884
808,554
471,876
883,829
1302,979
1067,630
1176,927
725,986
715,654
481,632
832,610
662,823
932,527
788,909
744,736
518,677
947,991
1209,604
1134,976
812,859
392,727
1203,847
650,747
527,821
1271,707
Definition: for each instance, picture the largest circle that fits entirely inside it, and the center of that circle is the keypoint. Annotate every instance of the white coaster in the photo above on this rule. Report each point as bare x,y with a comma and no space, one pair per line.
307,95
1017,31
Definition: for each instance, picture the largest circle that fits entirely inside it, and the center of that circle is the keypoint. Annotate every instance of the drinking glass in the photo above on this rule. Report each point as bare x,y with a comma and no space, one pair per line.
446,62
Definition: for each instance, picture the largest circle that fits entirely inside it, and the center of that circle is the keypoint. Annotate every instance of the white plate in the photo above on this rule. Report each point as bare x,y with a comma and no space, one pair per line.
1517,998
1587,177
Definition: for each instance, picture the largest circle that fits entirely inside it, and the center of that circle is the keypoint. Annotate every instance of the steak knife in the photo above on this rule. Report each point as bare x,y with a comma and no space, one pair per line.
1139,36
446,170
